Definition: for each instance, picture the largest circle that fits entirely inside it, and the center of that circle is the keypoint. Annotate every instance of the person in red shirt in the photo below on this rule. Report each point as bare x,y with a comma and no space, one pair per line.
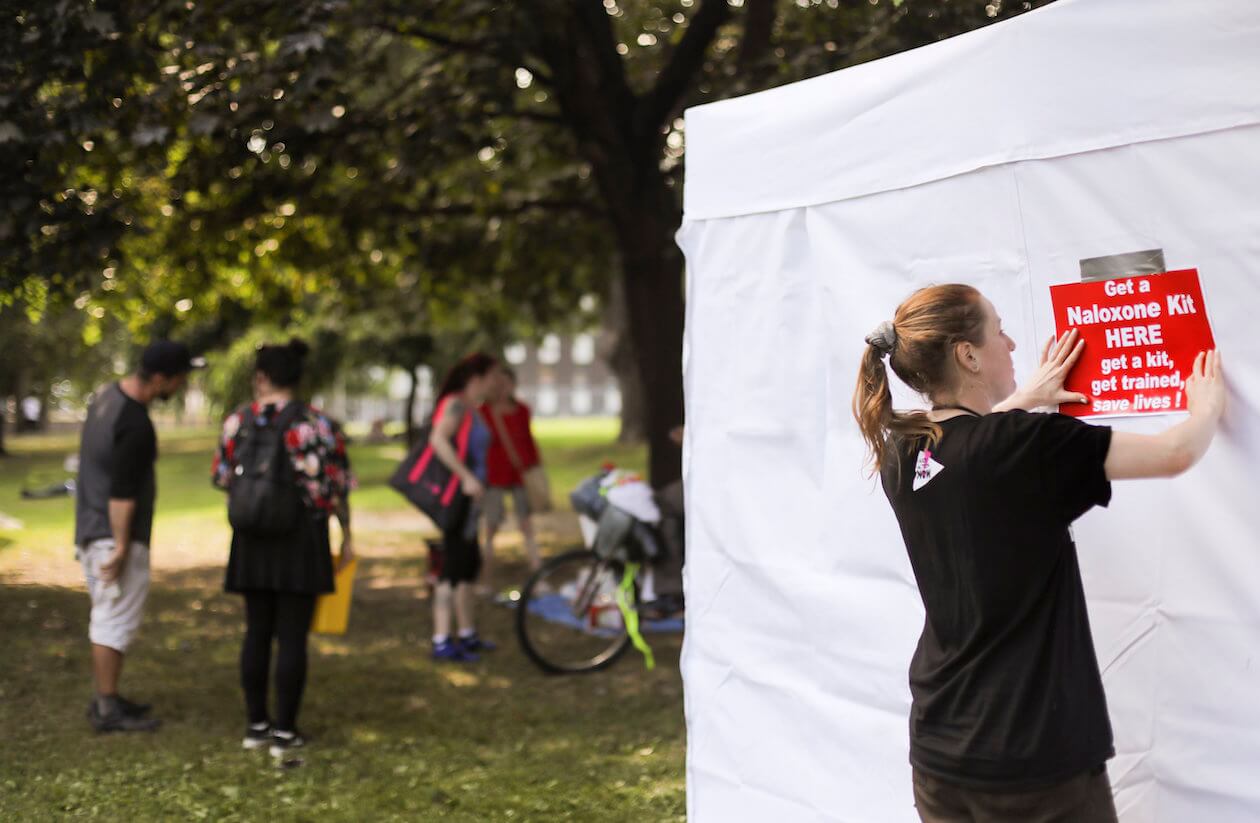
512,453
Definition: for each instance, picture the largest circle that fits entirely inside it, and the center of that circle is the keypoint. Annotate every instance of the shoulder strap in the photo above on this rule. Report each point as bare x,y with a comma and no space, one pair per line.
292,410
463,433
440,411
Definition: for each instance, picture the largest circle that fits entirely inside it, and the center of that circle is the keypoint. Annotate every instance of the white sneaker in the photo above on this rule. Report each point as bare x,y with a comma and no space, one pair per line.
282,743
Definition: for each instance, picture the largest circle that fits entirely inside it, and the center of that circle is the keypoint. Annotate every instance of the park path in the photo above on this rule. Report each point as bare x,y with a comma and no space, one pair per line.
184,544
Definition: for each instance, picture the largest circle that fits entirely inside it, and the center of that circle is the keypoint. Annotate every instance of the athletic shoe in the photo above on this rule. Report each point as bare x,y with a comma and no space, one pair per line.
133,709
127,707
452,652
282,743
475,643
114,719
257,735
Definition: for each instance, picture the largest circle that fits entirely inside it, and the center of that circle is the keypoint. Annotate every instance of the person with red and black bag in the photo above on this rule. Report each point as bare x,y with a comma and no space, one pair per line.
286,471
460,440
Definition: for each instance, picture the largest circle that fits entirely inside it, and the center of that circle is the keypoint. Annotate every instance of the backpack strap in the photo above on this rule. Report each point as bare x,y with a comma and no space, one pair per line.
291,411
249,414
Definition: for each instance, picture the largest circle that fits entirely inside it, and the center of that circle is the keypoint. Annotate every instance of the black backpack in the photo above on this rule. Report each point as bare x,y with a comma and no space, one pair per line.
263,497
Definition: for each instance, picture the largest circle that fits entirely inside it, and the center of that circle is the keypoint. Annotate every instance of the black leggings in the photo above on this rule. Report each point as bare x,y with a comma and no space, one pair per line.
461,554
285,617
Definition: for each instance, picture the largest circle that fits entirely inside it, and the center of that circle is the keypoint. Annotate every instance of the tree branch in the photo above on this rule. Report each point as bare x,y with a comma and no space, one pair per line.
480,47
493,49
505,210
660,103
551,119
758,33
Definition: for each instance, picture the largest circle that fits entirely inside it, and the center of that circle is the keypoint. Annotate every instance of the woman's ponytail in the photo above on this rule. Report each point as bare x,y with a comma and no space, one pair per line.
918,344
872,403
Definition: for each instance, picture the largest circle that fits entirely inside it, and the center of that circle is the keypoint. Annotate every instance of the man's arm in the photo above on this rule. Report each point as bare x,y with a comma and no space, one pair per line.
121,513
132,459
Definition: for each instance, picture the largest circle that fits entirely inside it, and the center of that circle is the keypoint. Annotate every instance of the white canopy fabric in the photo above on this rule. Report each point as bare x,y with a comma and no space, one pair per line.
1075,76
1001,159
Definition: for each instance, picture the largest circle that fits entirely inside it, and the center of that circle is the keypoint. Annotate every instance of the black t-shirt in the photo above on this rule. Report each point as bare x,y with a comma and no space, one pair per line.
1005,682
116,461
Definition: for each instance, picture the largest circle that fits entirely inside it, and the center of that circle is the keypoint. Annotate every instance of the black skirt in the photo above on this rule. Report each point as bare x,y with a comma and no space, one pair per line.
300,563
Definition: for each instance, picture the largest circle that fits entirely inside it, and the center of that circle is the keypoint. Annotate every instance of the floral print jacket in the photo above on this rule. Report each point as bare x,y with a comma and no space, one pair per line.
316,446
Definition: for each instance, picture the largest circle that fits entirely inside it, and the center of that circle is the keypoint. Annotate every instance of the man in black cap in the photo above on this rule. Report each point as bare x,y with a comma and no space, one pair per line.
114,520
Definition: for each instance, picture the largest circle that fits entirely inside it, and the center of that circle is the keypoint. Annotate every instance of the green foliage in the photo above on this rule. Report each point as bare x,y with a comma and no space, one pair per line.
56,352
232,158
460,170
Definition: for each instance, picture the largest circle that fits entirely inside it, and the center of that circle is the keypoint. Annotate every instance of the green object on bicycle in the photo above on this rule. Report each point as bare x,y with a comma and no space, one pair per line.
625,593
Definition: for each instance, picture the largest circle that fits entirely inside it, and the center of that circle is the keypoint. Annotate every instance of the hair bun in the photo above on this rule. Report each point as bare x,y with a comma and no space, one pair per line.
299,347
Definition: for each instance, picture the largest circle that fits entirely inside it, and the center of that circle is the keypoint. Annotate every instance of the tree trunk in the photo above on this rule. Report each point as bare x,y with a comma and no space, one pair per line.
409,412
618,351
654,289
633,428
4,415
22,388
652,270
46,398
621,136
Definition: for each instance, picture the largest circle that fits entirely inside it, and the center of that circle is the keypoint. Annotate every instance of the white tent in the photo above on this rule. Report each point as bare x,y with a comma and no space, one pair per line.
1002,158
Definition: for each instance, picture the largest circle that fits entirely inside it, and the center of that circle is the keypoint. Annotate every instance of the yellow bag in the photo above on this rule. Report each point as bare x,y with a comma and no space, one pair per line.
332,611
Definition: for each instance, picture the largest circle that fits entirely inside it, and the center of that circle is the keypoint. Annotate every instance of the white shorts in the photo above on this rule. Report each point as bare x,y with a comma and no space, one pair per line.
116,612
494,504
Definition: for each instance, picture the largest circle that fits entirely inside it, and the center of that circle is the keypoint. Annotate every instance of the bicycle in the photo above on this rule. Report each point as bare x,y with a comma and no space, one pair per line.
579,612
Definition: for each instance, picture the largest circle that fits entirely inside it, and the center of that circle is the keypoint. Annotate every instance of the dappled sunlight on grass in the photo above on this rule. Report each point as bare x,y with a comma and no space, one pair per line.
460,678
369,736
394,735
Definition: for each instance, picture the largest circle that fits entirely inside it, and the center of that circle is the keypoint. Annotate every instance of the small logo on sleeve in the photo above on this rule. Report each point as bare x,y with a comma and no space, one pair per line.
925,468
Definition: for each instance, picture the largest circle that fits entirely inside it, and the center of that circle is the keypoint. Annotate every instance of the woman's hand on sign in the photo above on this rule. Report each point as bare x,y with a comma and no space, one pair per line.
1045,388
1205,388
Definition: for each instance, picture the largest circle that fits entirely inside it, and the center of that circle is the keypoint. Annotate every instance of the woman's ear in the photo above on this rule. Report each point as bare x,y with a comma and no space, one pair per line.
965,355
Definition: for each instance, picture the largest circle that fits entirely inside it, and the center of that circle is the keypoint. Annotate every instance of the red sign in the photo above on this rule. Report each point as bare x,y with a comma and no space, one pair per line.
1141,336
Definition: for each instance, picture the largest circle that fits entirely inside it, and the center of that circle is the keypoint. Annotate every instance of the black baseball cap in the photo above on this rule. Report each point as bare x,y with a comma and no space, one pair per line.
170,358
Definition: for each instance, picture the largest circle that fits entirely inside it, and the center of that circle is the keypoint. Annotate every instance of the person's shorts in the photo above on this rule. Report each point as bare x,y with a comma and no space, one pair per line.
494,504
116,611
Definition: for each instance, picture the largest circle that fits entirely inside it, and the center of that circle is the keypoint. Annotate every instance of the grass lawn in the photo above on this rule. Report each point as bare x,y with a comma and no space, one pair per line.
395,737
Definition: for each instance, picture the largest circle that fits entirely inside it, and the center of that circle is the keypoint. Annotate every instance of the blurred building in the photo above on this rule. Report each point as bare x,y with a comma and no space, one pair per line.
563,377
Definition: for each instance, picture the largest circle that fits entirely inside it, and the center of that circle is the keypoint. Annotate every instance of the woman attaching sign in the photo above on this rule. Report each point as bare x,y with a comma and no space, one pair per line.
1008,719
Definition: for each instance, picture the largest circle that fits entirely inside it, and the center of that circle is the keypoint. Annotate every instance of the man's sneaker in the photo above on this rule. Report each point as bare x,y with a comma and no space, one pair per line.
475,644
257,735
453,652
133,709
114,719
283,743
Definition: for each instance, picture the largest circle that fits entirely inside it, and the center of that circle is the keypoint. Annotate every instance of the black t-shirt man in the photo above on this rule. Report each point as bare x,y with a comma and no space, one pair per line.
1005,682
116,460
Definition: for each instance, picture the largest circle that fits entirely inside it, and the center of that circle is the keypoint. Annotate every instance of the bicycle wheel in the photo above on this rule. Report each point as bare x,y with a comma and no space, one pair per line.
567,619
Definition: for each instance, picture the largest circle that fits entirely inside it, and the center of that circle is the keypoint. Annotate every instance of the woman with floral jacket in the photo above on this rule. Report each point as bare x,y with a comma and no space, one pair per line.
281,576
